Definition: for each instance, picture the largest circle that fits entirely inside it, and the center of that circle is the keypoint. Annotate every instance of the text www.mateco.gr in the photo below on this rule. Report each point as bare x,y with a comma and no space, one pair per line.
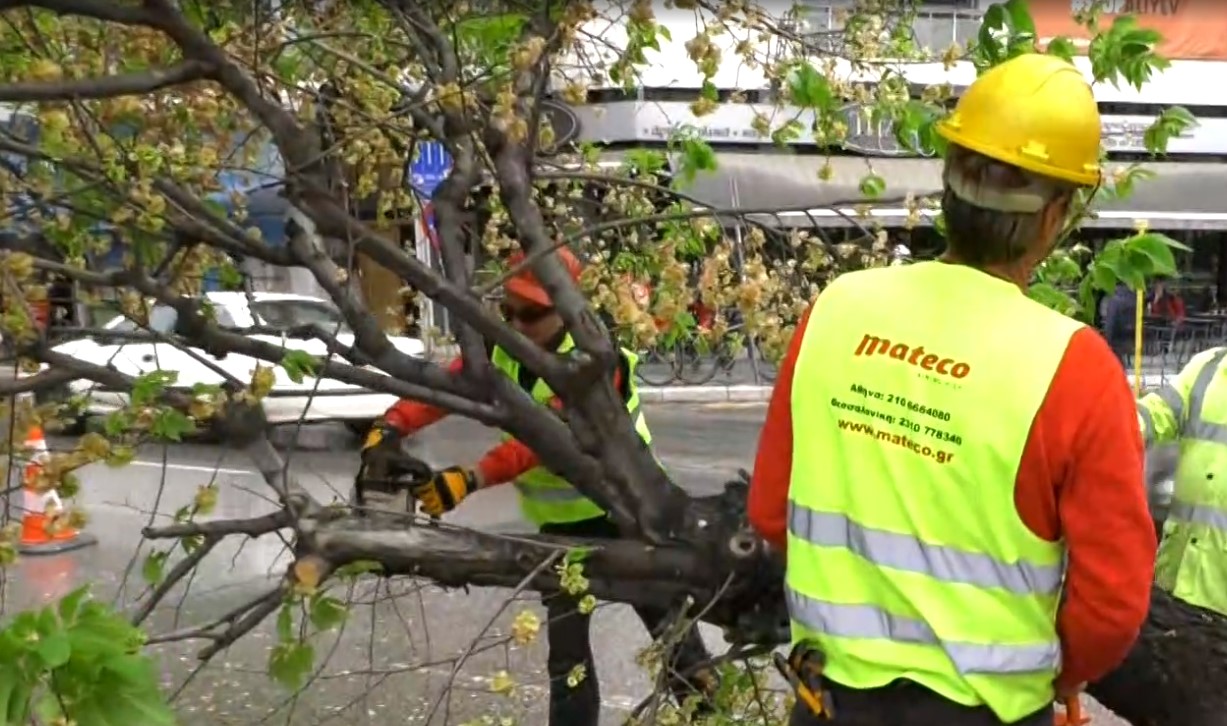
886,437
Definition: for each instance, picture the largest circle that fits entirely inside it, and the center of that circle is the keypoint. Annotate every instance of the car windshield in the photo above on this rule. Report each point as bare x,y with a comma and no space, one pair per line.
162,319
288,314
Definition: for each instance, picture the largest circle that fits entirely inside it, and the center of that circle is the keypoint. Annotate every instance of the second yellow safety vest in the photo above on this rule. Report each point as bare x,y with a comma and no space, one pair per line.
545,497
913,398
1192,559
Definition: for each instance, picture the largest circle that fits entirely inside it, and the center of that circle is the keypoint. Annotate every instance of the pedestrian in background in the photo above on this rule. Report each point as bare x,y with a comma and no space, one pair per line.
1120,310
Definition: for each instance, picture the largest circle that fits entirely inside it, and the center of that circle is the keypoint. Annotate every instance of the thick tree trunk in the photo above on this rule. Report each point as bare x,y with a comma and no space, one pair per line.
1176,674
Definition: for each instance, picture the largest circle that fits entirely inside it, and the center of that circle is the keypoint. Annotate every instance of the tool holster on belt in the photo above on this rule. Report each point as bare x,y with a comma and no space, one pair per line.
803,669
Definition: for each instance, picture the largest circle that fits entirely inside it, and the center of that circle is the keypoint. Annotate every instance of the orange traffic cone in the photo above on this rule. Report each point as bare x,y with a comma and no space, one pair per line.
42,532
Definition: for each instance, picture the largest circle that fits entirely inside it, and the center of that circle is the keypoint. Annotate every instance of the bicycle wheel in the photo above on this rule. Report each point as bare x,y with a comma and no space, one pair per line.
655,369
767,370
695,368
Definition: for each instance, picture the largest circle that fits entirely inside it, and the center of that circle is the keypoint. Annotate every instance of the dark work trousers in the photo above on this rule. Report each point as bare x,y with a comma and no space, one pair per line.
904,703
567,632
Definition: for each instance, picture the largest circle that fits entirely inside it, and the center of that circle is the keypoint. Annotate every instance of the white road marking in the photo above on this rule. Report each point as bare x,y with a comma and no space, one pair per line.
193,467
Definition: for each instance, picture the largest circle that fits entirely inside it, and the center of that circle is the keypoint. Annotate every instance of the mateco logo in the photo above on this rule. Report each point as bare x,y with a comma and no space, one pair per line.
914,356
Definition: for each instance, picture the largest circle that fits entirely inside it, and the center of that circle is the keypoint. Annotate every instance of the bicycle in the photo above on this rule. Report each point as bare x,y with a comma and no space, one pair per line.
685,362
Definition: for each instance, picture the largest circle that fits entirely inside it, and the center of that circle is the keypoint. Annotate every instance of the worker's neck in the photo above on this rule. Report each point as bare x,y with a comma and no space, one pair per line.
1018,273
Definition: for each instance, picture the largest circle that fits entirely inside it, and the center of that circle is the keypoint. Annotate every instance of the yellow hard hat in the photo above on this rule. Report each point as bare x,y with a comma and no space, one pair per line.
1034,111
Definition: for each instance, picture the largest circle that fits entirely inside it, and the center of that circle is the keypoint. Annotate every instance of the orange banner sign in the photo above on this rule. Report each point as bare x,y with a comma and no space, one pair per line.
1191,29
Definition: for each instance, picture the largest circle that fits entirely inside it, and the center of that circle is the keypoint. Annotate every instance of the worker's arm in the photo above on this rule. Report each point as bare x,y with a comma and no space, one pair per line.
1081,479
408,416
768,499
1163,414
510,459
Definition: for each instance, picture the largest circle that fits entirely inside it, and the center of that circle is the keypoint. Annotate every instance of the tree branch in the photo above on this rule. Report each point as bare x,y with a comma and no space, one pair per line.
128,84
41,381
181,569
110,11
252,527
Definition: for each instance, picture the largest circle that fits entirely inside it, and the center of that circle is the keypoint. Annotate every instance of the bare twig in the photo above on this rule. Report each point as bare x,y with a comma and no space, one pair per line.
130,84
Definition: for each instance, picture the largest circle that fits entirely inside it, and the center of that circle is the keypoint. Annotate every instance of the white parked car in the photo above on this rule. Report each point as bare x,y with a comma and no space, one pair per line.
309,400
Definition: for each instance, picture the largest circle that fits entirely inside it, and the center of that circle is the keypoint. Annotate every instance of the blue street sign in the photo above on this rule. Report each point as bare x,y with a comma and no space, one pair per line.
430,168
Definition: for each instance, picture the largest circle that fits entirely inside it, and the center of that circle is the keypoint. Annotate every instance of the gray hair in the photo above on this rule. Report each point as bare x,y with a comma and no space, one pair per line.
993,210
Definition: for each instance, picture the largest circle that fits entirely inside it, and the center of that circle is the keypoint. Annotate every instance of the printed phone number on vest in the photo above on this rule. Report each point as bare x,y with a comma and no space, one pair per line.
892,399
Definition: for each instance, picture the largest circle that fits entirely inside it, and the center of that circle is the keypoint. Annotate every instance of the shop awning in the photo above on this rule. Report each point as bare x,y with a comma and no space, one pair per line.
1182,195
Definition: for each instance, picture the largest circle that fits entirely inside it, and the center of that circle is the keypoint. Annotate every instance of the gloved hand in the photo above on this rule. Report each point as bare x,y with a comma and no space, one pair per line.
445,489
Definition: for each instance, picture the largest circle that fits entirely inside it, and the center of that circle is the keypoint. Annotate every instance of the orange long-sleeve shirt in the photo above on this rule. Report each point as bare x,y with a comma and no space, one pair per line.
1080,478
499,465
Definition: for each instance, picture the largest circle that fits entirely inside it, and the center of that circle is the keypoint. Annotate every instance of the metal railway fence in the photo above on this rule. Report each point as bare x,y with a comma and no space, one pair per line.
1166,349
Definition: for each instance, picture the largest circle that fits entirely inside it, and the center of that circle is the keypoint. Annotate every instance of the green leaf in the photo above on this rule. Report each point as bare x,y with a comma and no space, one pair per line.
1062,47
285,624
71,603
126,694
1173,122
809,88
153,569
16,694
694,155
116,423
576,555
171,424
872,186
1102,277
298,364
327,612
1020,18
988,49
147,388
1051,297
54,650
1157,248
290,663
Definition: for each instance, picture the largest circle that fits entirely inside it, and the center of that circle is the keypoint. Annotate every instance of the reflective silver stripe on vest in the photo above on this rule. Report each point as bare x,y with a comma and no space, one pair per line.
868,621
1148,422
548,494
1196,427
1215,433
1170,396
1198,514
905,552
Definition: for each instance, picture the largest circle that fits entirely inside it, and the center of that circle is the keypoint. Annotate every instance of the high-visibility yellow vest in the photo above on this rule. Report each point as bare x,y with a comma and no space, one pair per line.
914,394
1192,559
546,498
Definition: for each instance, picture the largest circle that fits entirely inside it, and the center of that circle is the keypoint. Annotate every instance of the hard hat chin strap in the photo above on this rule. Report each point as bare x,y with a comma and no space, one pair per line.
1026,200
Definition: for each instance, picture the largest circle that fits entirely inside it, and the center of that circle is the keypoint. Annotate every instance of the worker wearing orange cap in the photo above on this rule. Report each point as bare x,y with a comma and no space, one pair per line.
546,500
959,490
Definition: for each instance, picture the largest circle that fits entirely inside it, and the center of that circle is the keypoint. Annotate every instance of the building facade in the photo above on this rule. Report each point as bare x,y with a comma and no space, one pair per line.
1184,195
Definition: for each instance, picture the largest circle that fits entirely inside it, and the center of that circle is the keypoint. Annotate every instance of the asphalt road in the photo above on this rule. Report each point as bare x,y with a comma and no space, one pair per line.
394,660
